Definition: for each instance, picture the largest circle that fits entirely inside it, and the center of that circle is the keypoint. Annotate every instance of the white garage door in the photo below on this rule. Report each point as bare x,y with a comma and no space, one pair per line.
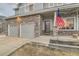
12,31
27,30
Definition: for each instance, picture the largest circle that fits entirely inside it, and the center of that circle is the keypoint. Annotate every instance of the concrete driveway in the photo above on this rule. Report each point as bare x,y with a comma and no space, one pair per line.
10,44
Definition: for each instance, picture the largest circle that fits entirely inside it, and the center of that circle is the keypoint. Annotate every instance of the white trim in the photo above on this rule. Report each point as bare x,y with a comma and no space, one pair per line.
75,24
20,30
8,30
54,18
77,20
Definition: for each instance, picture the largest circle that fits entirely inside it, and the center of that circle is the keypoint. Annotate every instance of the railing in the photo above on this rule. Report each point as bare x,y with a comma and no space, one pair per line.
67,33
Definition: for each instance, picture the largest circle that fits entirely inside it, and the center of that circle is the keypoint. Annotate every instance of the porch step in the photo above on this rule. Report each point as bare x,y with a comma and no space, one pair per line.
65,42
46,33
69,48
66,46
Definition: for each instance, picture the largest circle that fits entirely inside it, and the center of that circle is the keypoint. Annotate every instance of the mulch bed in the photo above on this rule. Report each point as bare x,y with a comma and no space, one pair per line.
35,49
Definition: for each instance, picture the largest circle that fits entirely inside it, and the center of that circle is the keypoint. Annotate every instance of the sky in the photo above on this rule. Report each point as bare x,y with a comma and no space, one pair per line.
7,9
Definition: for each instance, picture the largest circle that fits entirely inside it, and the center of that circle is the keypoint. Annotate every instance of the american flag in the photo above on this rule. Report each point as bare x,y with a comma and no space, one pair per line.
59,20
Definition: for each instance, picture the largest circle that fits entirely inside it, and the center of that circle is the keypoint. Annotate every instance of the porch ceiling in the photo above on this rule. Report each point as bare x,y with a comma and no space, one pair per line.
64,12
48,15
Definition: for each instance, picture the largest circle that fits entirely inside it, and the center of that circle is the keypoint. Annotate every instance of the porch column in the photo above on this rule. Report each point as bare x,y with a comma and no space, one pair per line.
55,33
55,18
77,20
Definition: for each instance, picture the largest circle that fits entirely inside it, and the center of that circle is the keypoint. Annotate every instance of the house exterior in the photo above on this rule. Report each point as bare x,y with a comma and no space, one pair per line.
39,19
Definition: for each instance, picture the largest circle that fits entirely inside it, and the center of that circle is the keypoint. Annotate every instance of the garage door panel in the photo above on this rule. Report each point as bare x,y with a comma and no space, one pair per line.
13,31
27,30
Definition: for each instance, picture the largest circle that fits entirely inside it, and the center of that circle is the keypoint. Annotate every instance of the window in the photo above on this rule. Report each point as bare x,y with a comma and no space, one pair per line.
31,7
45,5
51,4
69,23
55,4
22,10
17,12
59,4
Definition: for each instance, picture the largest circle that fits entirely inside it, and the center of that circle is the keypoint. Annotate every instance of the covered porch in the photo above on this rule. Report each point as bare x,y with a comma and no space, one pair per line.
70,17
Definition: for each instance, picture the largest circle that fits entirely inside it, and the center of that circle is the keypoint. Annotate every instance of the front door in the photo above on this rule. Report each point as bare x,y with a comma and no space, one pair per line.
47,27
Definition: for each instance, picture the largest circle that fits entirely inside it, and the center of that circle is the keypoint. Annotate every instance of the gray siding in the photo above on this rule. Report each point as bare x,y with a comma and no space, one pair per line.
38,6
78,23
75,24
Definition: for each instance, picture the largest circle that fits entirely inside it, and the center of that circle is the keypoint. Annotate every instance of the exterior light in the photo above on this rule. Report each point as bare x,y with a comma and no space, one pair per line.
18,20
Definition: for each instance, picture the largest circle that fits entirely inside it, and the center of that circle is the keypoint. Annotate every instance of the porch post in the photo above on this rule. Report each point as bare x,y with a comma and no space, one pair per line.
77,19
55,18
55,33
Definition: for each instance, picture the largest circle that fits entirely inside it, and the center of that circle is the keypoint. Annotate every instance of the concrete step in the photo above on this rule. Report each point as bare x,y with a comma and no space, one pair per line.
65,47
73,43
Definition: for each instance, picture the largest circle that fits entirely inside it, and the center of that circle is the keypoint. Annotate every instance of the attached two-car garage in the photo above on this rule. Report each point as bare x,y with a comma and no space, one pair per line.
26,30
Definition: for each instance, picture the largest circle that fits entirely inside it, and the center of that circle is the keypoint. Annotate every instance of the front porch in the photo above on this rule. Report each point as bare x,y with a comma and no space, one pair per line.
70,17
64,43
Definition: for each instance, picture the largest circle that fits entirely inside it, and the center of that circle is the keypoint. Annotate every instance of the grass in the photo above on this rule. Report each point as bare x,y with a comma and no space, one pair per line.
34,49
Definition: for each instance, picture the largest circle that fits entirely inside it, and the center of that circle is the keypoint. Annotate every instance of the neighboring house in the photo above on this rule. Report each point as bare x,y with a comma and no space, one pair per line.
2,21
39,19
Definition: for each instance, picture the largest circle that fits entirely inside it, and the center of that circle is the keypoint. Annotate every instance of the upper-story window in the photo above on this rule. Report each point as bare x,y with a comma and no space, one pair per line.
22,10
59,4
21,4
45,5
17,12
31,7
51,4
55,4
